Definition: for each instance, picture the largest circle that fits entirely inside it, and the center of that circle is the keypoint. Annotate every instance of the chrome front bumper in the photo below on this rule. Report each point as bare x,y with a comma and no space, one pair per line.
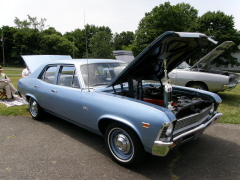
161,148
229,87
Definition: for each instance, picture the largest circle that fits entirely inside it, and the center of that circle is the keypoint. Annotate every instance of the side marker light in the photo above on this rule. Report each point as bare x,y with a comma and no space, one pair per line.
145,125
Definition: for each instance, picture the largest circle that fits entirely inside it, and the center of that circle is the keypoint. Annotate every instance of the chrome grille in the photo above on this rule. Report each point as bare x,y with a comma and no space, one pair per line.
192,120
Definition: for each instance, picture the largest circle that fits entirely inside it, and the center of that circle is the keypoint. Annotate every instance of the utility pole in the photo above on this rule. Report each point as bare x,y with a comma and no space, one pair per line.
3,50
73,49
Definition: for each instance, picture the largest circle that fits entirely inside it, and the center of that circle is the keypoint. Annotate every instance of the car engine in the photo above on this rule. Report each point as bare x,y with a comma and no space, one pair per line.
183,104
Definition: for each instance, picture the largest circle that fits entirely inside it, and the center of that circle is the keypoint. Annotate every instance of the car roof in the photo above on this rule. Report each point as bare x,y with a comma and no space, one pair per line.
35,61
85,61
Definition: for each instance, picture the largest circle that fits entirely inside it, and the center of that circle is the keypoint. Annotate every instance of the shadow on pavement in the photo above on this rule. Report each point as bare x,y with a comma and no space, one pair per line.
205,158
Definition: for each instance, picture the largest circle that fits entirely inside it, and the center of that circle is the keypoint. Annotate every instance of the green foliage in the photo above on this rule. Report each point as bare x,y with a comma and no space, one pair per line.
55,44
164,17
31,23
123,39
79,40
92,35
26,42
8,41
50,31
220,27
127,48
100,45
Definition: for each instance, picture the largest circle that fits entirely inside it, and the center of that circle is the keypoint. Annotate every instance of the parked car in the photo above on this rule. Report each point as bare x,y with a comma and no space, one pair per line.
200,76
114,100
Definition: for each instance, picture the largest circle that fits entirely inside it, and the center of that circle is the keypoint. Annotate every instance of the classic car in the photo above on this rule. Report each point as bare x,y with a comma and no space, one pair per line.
112,99
201,76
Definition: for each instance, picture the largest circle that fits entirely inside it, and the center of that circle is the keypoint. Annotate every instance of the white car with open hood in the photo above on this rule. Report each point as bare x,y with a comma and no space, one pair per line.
115,100
200,76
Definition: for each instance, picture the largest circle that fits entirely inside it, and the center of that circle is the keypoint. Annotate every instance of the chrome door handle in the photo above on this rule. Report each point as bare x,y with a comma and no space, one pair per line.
36,86
54,90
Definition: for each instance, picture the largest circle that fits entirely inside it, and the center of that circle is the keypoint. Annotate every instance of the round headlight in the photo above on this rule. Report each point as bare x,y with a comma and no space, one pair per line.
212,109
169,130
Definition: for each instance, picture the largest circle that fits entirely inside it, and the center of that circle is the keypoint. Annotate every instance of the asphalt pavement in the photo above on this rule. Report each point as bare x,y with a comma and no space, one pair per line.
54,149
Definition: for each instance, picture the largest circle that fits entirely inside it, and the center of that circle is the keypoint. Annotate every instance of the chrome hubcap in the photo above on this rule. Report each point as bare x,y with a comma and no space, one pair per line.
34,109
122,143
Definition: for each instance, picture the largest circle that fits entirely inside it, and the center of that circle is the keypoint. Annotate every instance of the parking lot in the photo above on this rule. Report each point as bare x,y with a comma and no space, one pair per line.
55,149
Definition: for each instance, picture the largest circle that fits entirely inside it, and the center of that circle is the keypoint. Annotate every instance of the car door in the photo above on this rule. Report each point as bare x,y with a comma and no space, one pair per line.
44,87
67,94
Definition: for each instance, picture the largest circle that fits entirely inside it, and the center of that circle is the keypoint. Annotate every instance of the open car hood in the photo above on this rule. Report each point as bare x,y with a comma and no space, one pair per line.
214,53
34,61
175,47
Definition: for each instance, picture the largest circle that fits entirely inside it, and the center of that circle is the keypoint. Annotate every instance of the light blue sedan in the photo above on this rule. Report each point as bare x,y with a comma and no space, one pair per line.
114,100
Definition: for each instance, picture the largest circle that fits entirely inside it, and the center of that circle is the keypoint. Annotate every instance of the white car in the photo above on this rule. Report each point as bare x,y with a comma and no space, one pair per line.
201,77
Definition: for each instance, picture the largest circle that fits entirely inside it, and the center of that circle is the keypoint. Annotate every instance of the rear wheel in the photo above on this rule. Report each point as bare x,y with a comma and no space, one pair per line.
35,110
198,85
124,145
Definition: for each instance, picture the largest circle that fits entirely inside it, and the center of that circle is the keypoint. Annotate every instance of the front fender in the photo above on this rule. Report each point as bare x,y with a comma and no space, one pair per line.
147,135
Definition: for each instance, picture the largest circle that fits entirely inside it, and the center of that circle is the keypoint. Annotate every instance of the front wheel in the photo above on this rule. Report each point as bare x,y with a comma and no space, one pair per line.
124,145
35,110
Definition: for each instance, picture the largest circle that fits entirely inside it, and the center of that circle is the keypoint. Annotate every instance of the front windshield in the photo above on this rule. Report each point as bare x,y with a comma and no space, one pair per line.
98,74
183,65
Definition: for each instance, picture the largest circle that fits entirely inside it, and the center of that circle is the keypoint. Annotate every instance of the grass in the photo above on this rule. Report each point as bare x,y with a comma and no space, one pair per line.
9,72
229,107
13,70
14,110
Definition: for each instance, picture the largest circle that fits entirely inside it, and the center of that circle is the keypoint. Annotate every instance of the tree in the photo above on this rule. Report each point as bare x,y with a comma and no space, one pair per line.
220,27
78,38
7,40
31,23
26,42
89,32
164,17
50,31
55,44
123,39
101,45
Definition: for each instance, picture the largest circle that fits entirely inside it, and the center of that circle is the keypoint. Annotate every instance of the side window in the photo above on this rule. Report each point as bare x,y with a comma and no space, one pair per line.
67,77
75,81
49,74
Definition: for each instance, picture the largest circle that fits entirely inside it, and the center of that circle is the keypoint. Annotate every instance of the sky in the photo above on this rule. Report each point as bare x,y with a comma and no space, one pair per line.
118,15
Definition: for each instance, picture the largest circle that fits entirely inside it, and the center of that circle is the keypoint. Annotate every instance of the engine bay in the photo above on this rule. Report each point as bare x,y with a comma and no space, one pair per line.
183,104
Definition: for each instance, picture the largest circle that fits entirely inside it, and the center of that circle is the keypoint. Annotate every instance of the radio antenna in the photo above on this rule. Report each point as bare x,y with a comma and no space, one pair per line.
86,53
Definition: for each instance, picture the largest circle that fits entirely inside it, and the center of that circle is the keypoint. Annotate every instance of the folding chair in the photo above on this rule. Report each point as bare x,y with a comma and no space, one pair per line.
3,93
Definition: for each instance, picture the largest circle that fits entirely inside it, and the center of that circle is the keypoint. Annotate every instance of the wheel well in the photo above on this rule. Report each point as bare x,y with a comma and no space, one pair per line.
28,98
104,123
200,82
